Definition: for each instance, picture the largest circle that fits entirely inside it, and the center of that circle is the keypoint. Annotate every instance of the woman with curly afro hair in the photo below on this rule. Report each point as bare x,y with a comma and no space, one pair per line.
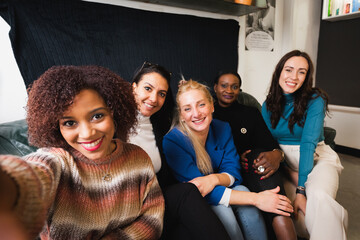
85,181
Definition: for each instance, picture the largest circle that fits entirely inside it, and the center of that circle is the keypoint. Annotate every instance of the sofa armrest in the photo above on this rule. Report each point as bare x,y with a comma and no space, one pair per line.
14,138
329,135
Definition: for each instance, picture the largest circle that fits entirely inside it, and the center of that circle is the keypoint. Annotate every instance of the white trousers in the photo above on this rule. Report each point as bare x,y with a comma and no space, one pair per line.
325,218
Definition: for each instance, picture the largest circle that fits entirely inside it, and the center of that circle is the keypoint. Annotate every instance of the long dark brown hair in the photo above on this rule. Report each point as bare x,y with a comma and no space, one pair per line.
161,120
275,100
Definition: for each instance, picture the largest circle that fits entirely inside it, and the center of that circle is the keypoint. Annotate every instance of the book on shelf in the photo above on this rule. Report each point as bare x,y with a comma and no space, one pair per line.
347,6
341,7
355,6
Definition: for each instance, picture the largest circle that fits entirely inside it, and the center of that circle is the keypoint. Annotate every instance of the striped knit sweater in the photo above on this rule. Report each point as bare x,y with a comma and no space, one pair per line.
62,194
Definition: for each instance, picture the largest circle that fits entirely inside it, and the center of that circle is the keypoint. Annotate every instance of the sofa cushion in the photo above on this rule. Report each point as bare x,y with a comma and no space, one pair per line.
248,100
14,138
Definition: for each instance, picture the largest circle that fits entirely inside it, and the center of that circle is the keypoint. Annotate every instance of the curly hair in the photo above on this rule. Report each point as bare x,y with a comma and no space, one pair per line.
54,91
275,100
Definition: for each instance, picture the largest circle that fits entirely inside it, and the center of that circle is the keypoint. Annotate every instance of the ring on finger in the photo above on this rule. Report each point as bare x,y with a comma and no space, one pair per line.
261,169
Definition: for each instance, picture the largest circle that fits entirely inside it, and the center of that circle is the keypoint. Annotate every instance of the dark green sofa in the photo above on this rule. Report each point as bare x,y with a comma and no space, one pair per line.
14,138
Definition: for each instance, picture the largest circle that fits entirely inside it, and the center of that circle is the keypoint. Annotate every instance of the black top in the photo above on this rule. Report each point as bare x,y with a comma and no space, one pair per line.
251,133
248,127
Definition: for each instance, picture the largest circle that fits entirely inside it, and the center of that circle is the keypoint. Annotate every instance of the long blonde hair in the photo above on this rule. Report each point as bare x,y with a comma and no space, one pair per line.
203,160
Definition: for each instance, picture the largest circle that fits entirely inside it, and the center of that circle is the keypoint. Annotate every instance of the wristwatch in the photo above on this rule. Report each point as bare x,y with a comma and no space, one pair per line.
301,190
282,154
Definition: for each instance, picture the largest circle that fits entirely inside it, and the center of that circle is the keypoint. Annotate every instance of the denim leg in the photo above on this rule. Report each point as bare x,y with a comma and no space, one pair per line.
228,219
250,219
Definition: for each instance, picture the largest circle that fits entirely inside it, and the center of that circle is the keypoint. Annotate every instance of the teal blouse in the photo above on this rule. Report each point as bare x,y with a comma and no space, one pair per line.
307,136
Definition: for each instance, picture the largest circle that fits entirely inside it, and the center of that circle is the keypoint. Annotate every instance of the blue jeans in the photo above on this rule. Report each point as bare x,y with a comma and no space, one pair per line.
242,222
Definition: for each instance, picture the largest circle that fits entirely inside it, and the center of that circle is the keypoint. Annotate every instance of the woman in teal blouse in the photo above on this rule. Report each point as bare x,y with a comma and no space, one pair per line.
294,112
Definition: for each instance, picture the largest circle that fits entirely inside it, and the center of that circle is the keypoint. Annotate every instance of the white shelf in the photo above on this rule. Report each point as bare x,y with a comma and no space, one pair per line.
342,17
337,17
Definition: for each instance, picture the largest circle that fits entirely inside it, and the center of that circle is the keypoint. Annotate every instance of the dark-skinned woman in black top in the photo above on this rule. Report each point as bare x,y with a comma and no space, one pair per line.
260,153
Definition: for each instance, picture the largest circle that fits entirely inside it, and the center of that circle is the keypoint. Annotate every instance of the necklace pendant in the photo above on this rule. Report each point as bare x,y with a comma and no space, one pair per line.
107,177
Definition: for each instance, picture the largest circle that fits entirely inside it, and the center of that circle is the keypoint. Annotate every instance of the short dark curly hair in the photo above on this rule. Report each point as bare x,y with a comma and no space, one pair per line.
52,94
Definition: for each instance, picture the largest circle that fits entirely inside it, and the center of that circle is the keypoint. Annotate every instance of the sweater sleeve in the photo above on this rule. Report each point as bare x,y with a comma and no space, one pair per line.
143,199
314,123
149,224
181,158
37,176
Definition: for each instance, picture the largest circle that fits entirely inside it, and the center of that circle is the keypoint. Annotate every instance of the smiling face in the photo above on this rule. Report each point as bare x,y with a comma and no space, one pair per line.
150,93
87,125
196,111
227,89
293,74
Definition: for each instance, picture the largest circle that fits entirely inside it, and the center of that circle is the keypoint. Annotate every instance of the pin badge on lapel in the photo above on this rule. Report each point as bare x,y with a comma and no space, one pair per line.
243,130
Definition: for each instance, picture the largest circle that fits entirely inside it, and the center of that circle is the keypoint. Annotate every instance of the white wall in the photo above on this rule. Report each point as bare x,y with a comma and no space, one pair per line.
346,122
12,88
296,26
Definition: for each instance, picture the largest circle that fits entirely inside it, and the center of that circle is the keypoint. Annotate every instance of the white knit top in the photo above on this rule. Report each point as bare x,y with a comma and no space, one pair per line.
145,138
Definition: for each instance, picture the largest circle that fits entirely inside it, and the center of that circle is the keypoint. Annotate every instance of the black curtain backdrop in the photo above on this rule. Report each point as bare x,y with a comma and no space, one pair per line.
71,32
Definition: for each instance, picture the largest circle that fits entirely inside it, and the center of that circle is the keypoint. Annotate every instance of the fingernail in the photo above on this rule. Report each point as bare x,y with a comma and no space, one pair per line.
261,178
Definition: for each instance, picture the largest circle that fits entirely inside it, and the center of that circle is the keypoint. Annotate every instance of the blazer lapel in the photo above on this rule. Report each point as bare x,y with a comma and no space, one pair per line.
215,151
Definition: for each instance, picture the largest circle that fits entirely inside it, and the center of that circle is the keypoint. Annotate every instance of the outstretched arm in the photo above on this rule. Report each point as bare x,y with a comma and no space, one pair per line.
8,192
27,188
10,226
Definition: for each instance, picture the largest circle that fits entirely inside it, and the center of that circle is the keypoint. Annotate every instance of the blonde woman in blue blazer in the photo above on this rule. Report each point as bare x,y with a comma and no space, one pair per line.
201,150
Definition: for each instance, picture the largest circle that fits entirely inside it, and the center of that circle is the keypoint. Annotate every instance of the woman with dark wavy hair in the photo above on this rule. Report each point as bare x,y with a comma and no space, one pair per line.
85,181
294,112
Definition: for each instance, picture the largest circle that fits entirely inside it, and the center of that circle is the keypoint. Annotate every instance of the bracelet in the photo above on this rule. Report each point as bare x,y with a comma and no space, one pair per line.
301,190
282,154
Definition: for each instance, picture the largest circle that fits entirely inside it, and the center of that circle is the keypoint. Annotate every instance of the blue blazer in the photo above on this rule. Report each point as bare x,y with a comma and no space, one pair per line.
181,157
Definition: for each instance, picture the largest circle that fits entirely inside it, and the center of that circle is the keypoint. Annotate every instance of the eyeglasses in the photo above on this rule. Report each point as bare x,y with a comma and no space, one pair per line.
147,64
